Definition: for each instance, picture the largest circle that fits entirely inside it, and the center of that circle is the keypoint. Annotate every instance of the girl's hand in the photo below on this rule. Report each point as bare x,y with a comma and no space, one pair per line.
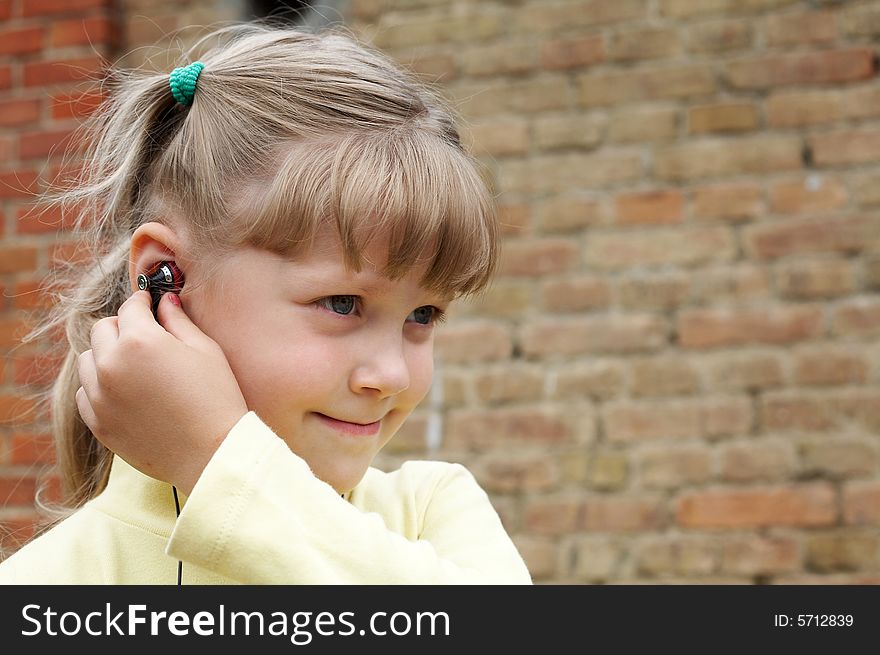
162,398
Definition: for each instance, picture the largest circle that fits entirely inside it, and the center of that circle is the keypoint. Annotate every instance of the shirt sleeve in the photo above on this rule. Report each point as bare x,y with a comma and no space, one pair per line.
258,515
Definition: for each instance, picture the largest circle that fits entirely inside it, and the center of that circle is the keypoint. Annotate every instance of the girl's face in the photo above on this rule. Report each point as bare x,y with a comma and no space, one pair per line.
332,360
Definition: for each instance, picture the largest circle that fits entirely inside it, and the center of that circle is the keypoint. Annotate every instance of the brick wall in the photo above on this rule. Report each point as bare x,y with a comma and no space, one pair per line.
676,375
49,52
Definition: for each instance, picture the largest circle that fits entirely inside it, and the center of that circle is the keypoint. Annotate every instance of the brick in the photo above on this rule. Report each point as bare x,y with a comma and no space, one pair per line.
596,559
814,193
538,257
830,409
623,513
640,44
83,31
619,87
509,474
553,173
575,294
756,461
804,505
859,317
861,102
474,341
504,58
839,457
716,36
702,159
16,532
692,8
821,67
419,30
860,21
606,471
658,207
842,552
17,490
811,28
44,73
539,554
680,246
12,329
830,365
53,143
567,132
816,279
37,369
664,376
760,555
624,334
643,124
844,147
516,382
595,379
673,467
480,430
515,218
552,515
5,77
688,556
31,448
721,118
659,291
708,328
507,298
33,219
872,274
435,67
572,213
555,16
728,202
24,41
31,8
838,235
16,113
572,52
861,503
651,420
737,283
32,295
20,184
18,259
804,108
502,137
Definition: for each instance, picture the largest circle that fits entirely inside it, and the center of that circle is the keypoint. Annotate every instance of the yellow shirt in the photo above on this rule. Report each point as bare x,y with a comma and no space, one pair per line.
257,515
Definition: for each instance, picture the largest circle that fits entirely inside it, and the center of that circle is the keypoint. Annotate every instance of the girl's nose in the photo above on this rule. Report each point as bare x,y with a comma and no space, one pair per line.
383,369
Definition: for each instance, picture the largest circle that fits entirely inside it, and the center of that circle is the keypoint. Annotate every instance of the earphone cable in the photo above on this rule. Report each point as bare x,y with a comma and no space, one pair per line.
177,509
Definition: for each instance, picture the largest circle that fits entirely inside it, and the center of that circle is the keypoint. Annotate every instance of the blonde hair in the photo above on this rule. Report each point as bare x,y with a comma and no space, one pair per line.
326,128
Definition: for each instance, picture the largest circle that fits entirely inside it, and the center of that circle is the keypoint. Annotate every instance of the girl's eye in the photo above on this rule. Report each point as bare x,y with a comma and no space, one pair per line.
339,304
428,315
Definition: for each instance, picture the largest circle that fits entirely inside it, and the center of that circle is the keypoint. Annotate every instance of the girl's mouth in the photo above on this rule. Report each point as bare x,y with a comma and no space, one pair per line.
362,429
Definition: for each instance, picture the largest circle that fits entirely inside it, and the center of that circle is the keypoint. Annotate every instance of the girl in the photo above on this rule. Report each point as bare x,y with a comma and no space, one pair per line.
319,209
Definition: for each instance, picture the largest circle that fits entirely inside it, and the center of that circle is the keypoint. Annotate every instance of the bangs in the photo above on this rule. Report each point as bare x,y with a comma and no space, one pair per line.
424,193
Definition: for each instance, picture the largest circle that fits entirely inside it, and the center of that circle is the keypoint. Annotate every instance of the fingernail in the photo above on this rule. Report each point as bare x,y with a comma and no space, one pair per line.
174,299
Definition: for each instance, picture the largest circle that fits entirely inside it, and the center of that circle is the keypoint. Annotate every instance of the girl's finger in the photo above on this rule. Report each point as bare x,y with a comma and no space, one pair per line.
88,374
104,335
136,315
85,410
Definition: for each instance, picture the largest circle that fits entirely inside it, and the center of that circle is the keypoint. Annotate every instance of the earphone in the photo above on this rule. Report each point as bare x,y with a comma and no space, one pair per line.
163,278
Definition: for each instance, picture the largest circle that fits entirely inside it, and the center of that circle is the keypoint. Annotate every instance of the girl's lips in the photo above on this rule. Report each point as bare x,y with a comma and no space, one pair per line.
351,428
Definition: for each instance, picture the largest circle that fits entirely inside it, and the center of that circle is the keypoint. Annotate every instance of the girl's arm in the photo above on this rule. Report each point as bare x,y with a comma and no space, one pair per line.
258,515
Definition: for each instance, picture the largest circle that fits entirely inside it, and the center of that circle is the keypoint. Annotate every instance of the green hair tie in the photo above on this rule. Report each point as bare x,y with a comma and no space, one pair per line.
183,82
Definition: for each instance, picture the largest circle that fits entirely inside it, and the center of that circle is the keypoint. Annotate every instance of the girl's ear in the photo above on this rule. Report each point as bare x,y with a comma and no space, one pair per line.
151,243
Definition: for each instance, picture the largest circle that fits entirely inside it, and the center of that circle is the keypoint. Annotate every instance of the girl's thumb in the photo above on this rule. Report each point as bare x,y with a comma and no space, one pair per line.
174,319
